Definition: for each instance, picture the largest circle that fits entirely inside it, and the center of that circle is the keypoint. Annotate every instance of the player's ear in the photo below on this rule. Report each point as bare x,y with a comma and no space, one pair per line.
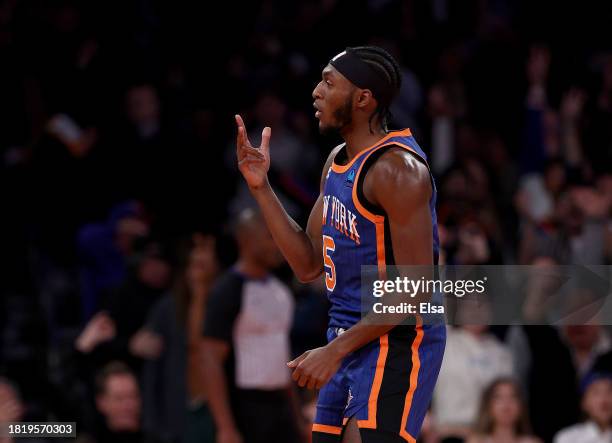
364,98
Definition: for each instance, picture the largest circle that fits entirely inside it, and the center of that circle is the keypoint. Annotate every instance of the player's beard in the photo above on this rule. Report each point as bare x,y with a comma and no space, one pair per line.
343,117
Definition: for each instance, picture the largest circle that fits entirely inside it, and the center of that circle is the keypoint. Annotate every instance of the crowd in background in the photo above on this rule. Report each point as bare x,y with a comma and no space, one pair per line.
119,190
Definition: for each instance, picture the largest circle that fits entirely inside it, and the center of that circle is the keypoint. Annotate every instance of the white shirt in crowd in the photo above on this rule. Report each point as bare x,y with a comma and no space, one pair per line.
470,364
587,432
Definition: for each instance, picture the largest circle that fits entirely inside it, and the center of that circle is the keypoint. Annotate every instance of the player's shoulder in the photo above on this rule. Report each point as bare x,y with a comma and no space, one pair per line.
399,168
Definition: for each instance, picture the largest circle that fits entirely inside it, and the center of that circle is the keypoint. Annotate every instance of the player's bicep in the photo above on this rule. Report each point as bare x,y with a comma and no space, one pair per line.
411,237
401,185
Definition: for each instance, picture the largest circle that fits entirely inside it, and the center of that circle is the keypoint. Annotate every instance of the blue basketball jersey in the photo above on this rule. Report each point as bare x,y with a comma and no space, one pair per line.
355,234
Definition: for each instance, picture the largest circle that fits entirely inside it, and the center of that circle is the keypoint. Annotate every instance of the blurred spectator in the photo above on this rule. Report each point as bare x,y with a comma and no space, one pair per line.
119,403
537,194
586,342
598,133
246,344
569,352
103,251
11,406
473,358
596,404
173,383
13,409
577,234
503,415
113,333
541,140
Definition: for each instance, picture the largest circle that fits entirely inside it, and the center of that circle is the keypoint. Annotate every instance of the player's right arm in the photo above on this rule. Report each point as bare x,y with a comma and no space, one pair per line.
302,249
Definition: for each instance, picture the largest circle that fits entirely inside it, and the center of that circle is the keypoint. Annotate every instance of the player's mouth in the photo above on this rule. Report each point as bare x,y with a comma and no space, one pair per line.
318,112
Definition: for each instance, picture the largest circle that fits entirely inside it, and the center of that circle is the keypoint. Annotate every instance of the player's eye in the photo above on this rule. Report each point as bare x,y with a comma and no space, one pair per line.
328,82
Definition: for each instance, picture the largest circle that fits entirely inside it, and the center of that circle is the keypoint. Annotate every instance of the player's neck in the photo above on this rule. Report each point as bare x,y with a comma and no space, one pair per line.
359,137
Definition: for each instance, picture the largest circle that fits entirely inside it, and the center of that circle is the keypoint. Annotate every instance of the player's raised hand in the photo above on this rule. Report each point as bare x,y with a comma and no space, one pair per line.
253,163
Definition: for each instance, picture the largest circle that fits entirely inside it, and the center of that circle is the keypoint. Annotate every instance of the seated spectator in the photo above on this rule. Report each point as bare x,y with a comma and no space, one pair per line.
473,358
596,404
118,402
503,416
568,351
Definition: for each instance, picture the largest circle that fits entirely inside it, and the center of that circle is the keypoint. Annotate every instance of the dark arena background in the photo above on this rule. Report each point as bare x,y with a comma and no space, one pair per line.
120,197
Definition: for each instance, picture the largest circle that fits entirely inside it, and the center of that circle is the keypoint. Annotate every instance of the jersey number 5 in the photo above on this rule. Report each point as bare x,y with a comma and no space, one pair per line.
330,274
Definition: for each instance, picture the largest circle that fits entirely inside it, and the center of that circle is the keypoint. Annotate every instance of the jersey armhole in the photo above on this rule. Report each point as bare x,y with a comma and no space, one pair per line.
367,164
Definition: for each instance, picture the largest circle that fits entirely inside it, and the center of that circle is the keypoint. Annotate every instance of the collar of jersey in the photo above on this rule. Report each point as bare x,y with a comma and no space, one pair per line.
343,168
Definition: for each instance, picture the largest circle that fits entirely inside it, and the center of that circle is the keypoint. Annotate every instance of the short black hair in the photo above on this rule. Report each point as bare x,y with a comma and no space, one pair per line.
383,62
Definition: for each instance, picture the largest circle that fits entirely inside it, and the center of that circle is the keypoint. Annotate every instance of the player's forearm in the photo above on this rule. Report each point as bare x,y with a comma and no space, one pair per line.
358,336
218,398
292,240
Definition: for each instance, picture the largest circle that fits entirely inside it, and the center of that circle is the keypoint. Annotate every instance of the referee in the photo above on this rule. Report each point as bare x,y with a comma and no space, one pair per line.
246,344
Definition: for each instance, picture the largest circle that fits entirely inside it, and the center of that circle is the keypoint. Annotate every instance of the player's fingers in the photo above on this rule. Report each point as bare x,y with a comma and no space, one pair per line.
250,161
238,142
293,363
265,139
312,382
244,134
254,152
241,143
239,120
296,374
303,381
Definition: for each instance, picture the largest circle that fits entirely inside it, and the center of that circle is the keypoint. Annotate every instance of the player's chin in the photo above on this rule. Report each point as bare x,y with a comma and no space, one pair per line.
325,128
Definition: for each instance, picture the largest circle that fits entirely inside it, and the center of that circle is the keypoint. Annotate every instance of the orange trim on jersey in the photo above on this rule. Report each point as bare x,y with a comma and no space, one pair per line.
336,430
370,423
380,251
343,168
374,218
414,379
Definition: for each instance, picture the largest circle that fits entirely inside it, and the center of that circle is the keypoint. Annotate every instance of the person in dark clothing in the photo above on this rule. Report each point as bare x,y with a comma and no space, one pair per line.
103,249
173,392
119,403
112,333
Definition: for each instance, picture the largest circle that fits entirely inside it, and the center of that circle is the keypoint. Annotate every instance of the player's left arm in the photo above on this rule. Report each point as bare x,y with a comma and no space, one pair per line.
401,185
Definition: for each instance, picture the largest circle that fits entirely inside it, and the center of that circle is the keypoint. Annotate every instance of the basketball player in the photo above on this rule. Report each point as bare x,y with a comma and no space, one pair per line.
376,207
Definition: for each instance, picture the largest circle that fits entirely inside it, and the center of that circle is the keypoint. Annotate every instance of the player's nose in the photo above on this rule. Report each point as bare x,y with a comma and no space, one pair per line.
316,94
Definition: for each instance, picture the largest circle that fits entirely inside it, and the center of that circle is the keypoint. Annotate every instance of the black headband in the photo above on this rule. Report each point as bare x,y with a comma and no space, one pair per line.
363,75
